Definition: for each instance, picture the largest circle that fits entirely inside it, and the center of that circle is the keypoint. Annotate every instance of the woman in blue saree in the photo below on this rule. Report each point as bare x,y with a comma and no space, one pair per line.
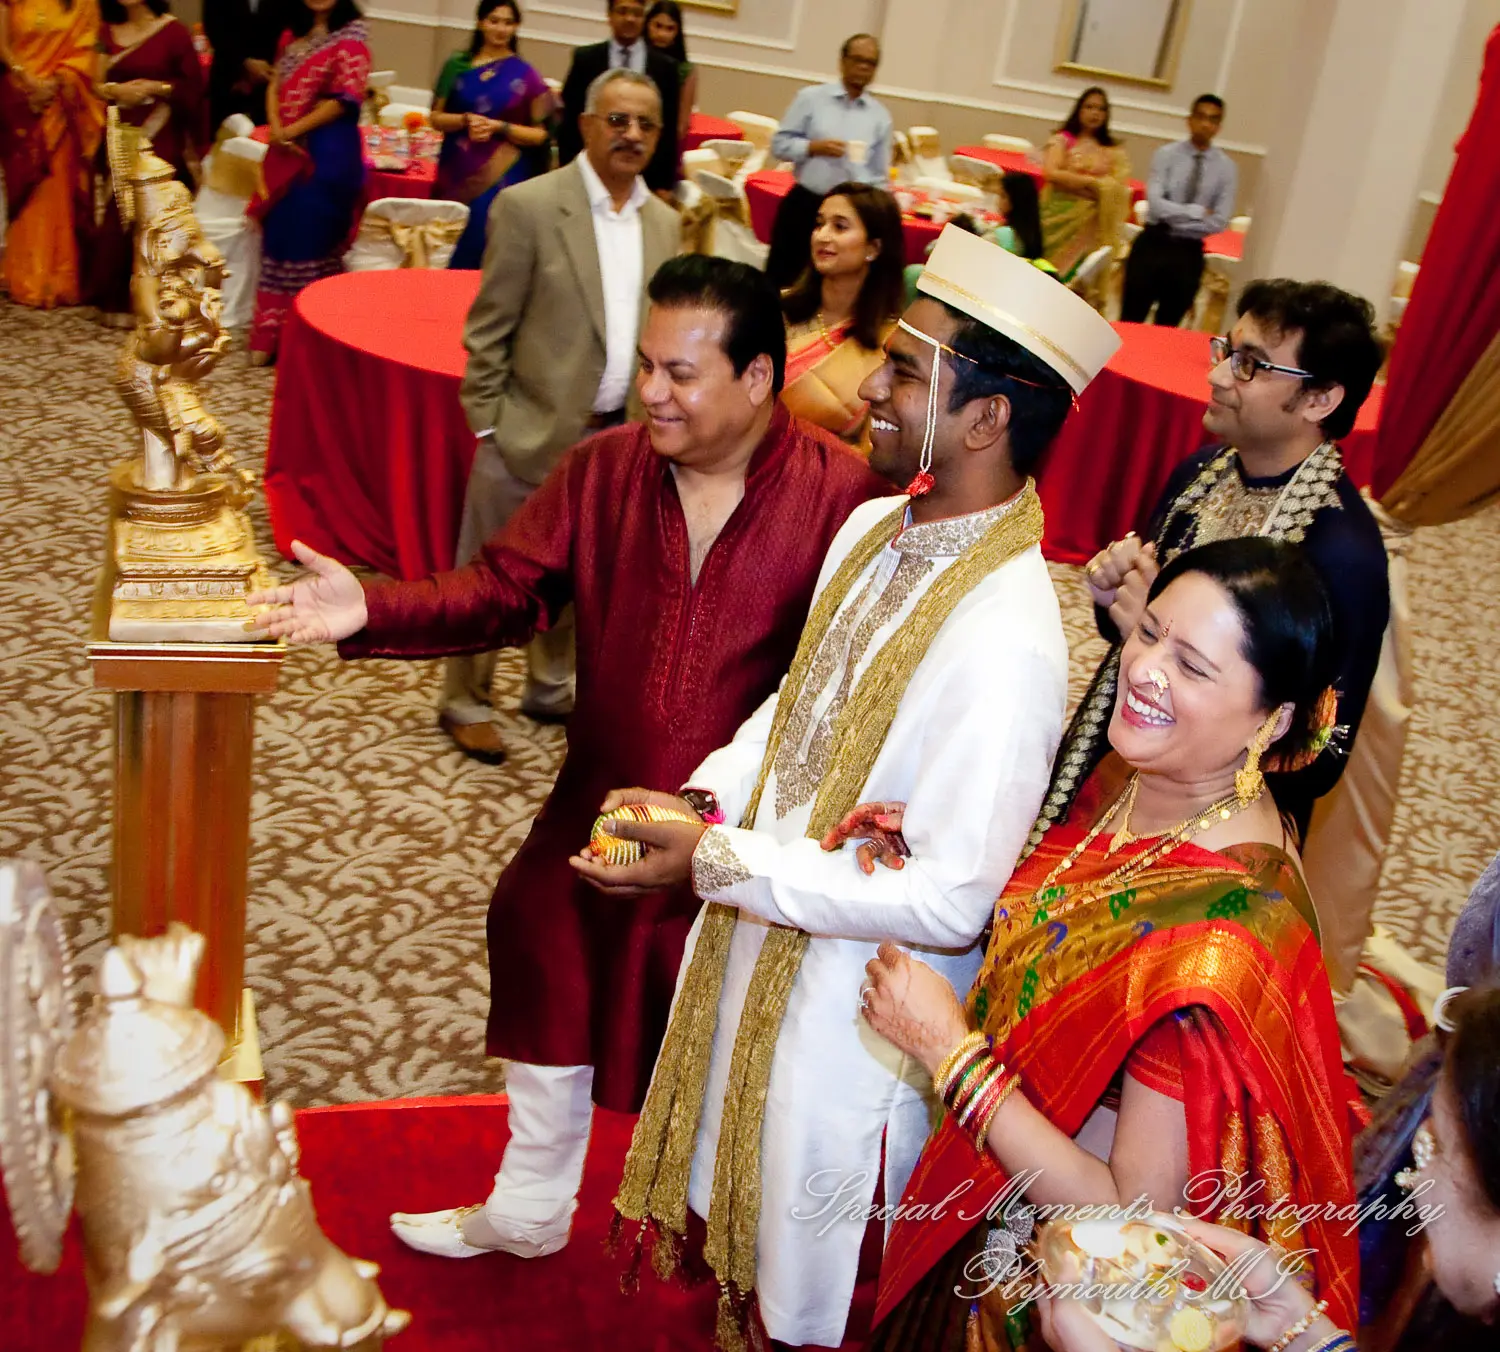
492,108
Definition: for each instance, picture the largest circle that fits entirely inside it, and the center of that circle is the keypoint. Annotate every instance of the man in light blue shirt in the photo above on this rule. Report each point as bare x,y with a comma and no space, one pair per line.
1190,196
833,133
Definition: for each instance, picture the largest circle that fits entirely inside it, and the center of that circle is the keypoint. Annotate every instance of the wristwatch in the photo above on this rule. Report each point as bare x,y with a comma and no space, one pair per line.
705,804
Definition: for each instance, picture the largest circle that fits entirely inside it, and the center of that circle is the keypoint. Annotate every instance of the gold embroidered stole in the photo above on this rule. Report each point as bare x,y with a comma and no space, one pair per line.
658,1166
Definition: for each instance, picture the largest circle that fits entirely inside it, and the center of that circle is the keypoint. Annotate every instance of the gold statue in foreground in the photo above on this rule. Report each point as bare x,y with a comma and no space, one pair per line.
184,552
199,1233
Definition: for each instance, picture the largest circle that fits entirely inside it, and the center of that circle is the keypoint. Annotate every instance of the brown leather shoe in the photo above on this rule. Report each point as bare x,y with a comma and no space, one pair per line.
480,741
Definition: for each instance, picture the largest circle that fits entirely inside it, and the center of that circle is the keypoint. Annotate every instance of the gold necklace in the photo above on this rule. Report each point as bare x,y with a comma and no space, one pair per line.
823,329
1125,836
1221,810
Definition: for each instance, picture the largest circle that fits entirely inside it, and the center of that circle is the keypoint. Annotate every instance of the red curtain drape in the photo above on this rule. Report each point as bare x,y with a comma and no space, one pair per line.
1454,311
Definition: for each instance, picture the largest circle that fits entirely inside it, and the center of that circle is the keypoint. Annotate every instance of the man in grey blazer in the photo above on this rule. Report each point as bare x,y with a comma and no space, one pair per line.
552,342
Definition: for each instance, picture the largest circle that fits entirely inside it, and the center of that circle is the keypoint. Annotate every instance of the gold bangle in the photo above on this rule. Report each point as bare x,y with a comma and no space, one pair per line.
969,1044
1299,1328
982,1129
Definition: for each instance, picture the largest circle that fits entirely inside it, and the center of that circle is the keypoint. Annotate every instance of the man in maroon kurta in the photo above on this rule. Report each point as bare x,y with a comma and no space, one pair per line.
689,548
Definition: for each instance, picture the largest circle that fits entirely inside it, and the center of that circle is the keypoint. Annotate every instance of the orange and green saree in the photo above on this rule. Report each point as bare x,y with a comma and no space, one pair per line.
48,151
1204,978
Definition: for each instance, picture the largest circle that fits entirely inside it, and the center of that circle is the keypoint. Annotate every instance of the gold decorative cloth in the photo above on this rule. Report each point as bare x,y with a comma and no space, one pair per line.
417,241
657,1169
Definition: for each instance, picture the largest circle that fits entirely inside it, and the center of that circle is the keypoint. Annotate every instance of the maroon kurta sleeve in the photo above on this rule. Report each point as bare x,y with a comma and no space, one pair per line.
517,584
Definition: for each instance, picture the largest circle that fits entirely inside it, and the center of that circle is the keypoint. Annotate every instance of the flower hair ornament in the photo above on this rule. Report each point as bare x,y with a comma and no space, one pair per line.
1327,732
1441,1019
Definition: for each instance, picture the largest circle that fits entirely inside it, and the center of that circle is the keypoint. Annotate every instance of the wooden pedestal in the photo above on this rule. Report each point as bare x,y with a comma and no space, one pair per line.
184,729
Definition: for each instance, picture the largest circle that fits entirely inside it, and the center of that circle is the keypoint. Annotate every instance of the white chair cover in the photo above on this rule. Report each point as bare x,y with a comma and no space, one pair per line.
1239,224
979,174
927,154
236,124
1090,269
381,79
951,191
731,236
702,158
996,141
406,232
736,156
229,177
757,127
1140,210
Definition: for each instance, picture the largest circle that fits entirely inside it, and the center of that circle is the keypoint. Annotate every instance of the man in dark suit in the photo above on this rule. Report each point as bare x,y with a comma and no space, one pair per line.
627,47
243,34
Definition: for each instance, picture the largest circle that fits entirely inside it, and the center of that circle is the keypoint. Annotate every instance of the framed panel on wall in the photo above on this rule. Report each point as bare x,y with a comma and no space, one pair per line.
1136,41
716,6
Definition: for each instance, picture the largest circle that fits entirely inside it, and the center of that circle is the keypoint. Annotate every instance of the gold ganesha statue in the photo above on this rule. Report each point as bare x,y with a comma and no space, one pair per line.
198,1231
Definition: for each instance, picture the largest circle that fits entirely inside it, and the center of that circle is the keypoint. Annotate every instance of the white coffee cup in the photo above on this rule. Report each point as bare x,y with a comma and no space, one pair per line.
856,151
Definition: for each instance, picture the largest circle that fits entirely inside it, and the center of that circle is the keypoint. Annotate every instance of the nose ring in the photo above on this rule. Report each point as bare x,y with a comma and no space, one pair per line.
1157,679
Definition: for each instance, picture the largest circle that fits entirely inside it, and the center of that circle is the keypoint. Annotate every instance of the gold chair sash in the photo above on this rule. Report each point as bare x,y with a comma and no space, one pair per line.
698,221
417,241
233,174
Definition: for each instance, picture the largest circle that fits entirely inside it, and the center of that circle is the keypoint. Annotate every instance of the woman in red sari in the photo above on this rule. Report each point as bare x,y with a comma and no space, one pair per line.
51,122
150,71
1155,1014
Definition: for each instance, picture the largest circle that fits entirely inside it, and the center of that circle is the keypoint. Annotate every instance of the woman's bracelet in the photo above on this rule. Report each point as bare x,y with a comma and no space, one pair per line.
1299,1328
1338,1341
982,1122
970,1046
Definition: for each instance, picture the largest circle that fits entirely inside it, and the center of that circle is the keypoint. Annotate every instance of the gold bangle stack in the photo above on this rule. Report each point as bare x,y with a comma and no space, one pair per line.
973,1085
1299,1328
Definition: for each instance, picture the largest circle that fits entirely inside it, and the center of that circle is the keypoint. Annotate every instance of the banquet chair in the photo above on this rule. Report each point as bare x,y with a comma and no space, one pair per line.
1088,280
758,130
236,124
902,160
701,158
734,155
979,174
1140,211
927,153
231,174
406,232
1239,224
377,90
1218,282
727,232
997,141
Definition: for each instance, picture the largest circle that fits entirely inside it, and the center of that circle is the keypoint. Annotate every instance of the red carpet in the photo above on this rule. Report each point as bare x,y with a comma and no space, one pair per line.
367,1160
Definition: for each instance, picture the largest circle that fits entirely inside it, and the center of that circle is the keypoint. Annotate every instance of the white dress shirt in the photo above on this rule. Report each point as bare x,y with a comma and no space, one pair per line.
632,57
617,235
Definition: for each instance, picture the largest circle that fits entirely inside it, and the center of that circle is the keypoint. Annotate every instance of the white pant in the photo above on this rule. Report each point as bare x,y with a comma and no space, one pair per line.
551,1111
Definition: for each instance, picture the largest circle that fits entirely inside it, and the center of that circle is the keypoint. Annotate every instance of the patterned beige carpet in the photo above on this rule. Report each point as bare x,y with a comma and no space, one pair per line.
374,844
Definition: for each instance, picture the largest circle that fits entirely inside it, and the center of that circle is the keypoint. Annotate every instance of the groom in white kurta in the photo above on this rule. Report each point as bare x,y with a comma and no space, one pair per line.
968,750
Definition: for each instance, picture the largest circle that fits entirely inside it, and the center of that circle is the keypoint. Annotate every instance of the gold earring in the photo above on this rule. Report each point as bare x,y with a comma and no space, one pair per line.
1249,782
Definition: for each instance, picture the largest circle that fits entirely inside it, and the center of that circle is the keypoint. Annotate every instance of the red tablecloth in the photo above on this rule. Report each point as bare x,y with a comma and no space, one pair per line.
765,189
1226,244
369,451
1014,162
417,180
702,127
1133,426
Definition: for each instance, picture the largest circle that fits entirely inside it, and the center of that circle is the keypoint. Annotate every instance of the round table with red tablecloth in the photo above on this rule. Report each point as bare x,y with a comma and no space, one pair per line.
1014,162
702,127
765,189
1140,418
369,452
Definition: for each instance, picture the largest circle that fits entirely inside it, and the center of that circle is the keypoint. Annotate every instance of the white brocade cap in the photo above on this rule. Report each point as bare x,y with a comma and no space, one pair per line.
1006,293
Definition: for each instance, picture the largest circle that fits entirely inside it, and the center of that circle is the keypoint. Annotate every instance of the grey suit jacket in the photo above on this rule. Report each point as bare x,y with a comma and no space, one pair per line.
535,334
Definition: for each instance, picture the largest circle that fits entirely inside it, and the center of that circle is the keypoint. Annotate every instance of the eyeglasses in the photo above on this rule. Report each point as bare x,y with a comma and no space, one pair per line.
618,122
1243,366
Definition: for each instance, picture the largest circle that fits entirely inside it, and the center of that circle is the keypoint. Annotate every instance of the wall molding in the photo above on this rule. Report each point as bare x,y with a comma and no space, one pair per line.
922,96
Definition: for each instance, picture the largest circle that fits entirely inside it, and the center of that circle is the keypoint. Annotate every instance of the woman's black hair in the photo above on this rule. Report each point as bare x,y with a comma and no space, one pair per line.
1286,618
1471,1063
1338,343
486,8
883,295
1025,214
1074,125
112,11
678,50
300,18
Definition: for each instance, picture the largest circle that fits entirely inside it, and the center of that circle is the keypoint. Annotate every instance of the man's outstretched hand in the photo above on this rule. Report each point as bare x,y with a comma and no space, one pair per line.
324,607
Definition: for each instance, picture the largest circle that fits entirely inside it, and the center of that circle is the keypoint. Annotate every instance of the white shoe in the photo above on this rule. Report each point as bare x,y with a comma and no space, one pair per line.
441,1233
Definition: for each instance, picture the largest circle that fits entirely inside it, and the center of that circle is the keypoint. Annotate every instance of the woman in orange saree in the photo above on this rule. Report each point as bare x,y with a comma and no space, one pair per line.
53,122
1156,1019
